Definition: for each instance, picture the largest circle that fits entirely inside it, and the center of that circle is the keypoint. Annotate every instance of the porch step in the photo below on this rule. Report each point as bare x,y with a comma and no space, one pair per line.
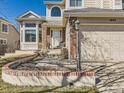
54,53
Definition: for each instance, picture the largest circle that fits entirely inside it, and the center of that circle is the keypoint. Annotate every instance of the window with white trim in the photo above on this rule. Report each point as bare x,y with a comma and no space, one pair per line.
30,24
4,27
56,12
3,41
75,3
30,35
117,2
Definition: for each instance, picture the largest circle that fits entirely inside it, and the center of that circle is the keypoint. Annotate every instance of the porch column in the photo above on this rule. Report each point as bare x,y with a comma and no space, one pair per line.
44,37
73,47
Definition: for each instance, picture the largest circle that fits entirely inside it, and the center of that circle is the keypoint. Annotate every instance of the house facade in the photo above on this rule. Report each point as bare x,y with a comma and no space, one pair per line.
9,36
101,29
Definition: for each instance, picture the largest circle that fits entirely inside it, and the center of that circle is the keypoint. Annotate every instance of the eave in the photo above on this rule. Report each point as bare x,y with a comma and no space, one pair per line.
53,24
31,19
62,3
94,13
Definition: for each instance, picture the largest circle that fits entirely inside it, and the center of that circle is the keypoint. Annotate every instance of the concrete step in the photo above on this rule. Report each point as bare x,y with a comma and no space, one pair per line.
54,52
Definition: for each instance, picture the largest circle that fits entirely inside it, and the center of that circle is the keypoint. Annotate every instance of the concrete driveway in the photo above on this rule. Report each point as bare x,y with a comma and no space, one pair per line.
109,76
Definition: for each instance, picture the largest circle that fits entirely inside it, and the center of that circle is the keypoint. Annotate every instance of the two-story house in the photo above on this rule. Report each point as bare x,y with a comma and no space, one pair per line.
101,29
9,36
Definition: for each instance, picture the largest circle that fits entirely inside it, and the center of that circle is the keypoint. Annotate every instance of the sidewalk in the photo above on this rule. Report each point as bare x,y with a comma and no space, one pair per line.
17,53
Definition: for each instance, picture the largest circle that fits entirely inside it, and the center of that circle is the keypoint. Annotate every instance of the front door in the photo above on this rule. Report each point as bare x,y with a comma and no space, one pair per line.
56,38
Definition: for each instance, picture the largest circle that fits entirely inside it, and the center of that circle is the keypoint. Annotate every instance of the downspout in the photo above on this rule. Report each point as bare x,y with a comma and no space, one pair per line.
69,42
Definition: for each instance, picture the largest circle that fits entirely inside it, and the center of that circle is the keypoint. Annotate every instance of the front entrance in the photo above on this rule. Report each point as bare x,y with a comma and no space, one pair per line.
56,39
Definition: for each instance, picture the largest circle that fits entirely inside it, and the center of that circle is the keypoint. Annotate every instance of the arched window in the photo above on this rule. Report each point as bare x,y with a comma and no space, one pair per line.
55,12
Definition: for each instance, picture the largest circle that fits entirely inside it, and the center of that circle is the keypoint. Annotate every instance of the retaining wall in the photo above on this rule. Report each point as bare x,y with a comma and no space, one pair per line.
46,78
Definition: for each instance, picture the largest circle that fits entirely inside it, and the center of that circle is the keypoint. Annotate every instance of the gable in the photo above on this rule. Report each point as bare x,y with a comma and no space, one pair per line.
29,14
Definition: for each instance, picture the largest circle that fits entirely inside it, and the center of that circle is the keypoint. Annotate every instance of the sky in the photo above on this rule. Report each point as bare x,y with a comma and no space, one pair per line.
10,9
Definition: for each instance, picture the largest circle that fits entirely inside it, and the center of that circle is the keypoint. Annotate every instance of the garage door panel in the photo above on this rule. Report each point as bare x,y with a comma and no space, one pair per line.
105,46
121,36
115,36
115,52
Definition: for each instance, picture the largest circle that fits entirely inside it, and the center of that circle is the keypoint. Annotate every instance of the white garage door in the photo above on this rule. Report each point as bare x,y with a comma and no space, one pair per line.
102,46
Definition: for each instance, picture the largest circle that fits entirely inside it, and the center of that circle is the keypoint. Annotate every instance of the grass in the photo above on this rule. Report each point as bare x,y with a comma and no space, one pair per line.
7,88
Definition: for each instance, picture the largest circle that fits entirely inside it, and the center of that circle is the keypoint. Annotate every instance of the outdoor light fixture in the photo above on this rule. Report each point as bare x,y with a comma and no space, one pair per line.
77,25
77,28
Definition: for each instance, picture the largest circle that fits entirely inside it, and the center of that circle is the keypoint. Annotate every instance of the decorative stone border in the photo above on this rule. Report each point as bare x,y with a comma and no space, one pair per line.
46,78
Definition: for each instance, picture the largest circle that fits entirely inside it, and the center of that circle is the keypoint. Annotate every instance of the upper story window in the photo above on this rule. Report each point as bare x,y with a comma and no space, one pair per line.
30,25
4,28
75,3
55,12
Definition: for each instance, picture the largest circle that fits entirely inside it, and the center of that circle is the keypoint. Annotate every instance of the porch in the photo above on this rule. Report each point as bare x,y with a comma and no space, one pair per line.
53,35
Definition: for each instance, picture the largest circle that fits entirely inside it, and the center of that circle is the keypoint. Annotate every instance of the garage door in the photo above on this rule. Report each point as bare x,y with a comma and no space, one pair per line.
102,46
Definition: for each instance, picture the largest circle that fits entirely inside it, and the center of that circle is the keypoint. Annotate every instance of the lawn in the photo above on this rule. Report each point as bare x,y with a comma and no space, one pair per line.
7,88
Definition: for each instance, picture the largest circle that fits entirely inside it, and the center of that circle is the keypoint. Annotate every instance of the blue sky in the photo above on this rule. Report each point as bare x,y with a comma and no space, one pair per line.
10,9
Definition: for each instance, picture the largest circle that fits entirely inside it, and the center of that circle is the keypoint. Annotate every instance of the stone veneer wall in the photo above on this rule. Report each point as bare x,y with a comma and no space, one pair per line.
46,78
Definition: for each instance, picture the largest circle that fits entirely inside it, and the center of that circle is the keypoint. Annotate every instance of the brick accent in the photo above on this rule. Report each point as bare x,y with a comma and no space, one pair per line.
48,38
44,37
73,44
7,70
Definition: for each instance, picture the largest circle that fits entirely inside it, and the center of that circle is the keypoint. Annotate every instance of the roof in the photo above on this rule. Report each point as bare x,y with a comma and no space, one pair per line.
1,18
94,12
55,2
53,24
27,16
